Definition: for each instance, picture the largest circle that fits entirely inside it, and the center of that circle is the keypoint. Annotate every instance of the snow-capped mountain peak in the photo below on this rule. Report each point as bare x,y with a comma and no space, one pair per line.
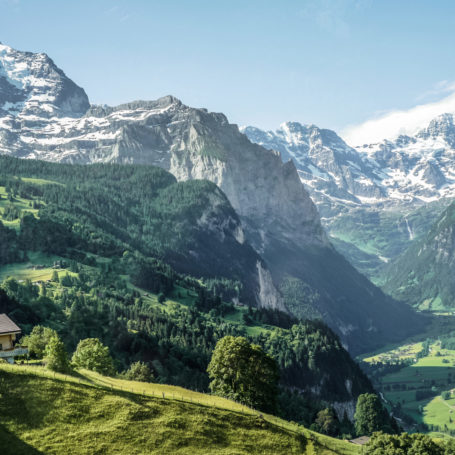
326,164
31,85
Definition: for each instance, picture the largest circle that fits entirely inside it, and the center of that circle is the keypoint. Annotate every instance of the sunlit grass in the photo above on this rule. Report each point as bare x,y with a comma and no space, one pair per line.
89,413
37,268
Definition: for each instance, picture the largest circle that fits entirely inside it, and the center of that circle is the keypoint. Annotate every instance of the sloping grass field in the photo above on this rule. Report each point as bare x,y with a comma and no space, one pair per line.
43,413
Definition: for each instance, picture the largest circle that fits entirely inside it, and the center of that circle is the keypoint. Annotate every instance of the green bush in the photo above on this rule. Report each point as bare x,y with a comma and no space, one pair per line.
139,371
93,355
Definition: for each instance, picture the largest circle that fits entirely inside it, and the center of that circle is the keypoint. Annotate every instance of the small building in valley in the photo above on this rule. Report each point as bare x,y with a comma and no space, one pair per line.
362,440
8,334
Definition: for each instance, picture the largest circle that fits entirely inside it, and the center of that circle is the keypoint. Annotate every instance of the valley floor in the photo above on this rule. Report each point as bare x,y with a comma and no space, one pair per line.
423,388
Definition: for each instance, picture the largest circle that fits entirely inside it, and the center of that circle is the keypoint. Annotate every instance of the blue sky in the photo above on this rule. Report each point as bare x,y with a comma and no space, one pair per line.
333,63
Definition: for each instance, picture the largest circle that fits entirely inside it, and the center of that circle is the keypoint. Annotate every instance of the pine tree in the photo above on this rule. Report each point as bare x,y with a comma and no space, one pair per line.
370,416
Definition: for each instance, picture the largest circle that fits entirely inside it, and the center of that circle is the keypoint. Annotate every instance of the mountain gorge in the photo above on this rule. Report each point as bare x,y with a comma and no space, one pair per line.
374,199
298,268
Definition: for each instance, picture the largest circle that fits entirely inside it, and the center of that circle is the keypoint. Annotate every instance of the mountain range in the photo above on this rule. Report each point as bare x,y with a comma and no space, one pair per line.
375,199
46,116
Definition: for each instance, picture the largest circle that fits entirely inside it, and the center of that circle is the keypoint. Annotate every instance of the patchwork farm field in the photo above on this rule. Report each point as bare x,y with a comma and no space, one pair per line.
424,390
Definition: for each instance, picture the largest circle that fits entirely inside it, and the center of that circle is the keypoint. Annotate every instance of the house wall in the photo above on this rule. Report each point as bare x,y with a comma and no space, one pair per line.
7,341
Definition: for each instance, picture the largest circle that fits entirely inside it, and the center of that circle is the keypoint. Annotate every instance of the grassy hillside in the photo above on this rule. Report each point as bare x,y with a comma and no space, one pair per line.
55,415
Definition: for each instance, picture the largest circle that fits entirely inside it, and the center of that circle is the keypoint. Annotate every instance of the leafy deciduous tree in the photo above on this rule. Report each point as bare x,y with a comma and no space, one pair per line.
244,372
93,355
327,422
56,357
370,416
38,340
404,444
139,371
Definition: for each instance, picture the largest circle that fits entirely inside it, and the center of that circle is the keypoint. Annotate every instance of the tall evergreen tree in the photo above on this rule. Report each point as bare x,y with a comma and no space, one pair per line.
370,416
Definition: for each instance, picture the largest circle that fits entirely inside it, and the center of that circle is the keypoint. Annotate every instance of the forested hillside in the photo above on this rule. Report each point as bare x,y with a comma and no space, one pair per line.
152,268
424,275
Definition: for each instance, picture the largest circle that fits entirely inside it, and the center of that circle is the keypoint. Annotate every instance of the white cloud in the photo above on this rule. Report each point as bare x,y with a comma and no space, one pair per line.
394,123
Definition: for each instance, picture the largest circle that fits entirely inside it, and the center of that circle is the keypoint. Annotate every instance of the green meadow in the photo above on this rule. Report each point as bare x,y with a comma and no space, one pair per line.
47,413
432,375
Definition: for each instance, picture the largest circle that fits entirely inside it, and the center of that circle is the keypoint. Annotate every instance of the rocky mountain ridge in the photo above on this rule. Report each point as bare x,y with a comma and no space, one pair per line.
278,217
415,169
31,85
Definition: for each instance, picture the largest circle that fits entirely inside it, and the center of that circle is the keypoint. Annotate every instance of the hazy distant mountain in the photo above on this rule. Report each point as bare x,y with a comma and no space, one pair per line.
375,199
418,168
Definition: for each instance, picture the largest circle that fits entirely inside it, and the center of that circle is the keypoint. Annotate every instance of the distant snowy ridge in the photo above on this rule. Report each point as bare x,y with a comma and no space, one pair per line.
418,168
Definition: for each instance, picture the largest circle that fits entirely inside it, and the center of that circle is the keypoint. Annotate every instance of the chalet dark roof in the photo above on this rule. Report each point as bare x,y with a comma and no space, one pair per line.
7,325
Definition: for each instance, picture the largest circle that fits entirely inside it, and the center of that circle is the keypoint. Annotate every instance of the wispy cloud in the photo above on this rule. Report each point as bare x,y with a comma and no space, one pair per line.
409,121
125,17
440,88
333,15
118,13
112,10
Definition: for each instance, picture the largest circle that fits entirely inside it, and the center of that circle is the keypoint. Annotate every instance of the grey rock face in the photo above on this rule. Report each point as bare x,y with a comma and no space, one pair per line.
327,166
